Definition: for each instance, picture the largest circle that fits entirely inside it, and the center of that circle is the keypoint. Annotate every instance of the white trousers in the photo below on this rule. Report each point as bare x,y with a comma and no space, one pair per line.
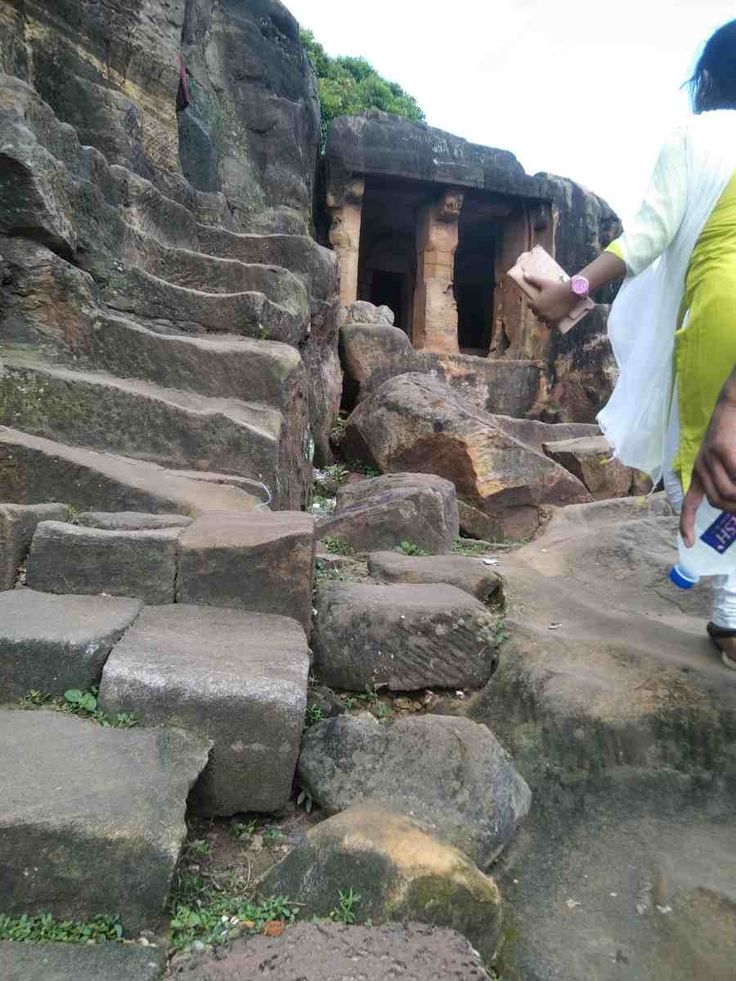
724,587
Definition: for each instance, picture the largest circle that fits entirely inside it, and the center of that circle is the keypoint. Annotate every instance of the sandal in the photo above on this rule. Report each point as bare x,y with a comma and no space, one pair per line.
725,640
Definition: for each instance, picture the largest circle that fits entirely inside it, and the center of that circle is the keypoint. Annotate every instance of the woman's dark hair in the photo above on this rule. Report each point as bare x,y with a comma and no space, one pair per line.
713,85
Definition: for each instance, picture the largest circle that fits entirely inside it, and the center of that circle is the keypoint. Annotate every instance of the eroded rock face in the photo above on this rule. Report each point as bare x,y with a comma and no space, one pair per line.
414,422
238,123
399,871
452,776
109,249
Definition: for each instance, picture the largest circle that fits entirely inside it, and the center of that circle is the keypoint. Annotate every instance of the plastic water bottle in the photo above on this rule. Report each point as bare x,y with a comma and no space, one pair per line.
714,551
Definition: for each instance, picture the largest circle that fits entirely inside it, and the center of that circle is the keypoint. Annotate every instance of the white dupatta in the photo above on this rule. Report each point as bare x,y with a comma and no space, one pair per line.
643,318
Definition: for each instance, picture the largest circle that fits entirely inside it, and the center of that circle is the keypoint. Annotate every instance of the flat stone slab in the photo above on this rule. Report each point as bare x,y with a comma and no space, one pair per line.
450,774
333,952
382,512
77,962
240,679
469,574
261,562
66,558
50,643
131,520
17,524
91,819
404,636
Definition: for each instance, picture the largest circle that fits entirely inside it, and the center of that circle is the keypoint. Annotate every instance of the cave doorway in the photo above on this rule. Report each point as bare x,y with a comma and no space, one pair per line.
480,235
388,246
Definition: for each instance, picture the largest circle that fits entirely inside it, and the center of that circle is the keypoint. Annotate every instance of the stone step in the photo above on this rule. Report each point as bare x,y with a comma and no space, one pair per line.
17,525
52,643
468,573
261,561
66,558
402,637
240,679
250,313
34,470
166,426
99,826
227,366
313,263
78,962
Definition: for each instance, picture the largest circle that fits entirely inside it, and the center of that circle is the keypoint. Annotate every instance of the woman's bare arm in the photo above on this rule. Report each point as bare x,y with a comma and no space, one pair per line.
556,300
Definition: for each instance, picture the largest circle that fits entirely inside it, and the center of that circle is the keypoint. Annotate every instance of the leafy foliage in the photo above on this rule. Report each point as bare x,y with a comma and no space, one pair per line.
350,85
45,929
411,548
337,545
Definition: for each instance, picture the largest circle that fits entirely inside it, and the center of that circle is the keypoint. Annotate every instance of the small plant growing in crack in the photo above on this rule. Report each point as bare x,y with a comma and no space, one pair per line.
344,912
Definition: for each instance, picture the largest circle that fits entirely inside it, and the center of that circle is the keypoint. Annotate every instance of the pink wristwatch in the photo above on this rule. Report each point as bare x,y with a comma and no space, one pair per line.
580,286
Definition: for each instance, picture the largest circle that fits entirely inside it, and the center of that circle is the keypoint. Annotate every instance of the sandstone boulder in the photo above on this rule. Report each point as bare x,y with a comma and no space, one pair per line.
469,574
372,351
131,520
398,871
449,774
414,422
330,952
590,460
384,511
401,636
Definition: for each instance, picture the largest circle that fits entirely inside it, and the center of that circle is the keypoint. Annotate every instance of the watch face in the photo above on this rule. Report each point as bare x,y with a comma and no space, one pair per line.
580,285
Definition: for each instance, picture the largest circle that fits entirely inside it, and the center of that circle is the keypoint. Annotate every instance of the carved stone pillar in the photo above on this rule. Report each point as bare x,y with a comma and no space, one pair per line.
345,206
434,325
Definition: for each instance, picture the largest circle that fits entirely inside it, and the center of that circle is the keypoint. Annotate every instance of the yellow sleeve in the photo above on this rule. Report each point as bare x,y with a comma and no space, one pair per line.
615,249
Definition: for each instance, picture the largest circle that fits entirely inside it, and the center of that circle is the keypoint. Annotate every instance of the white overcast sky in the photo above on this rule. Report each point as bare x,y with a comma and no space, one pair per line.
587,90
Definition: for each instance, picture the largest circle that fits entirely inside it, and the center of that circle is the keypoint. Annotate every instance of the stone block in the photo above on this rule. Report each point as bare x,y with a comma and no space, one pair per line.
261,561
17,525
51,643
382,512
99,826
401,636
67,558
240,679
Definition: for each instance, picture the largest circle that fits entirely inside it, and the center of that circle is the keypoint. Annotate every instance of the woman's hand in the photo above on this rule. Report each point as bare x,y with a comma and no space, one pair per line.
714,473
554,301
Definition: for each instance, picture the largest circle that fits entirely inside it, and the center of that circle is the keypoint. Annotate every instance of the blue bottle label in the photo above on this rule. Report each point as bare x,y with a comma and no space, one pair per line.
722,533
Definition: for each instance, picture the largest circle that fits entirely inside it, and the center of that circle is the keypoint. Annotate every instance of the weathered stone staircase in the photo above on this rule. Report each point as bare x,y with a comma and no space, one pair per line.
93,819
133,326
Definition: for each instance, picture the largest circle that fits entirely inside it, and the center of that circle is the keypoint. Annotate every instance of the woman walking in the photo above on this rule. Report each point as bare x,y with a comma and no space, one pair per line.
673,324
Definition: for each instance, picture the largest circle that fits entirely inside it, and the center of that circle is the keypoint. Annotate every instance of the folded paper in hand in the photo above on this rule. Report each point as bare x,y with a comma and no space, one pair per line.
540,263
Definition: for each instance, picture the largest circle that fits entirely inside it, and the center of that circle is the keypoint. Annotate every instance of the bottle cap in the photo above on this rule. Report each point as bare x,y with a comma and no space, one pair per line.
683,578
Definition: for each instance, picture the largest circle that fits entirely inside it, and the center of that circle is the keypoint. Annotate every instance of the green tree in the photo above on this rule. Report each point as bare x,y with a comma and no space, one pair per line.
349,85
